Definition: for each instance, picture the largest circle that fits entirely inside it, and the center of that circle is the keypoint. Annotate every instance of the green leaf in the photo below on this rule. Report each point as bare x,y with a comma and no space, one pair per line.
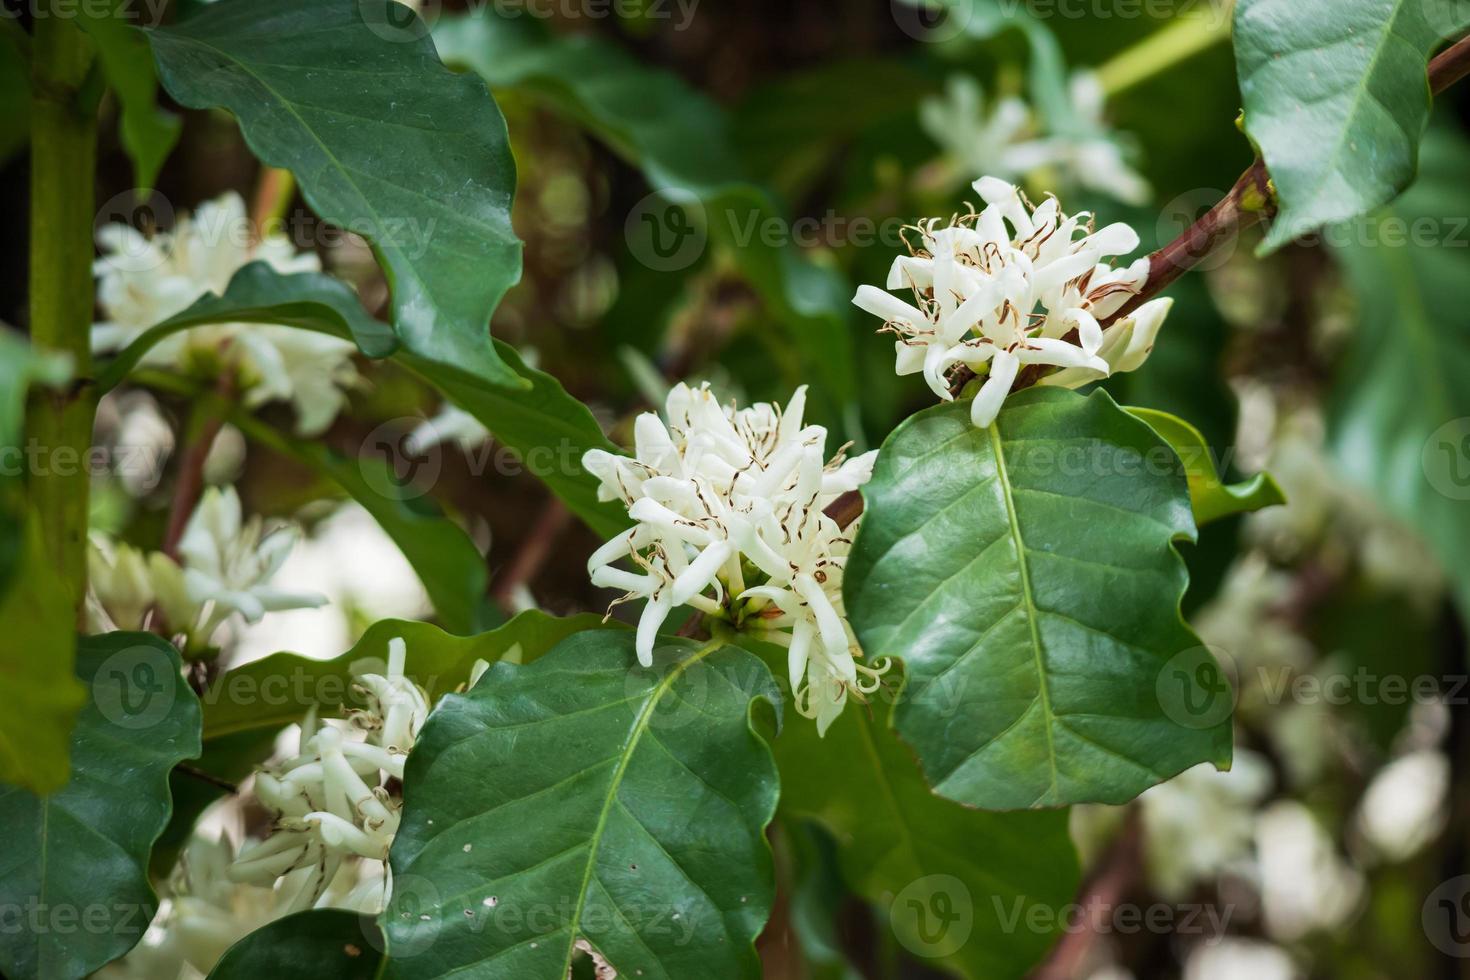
952,882
1211,498
549,430
260,698
258,293
78,859
1399,423
323,944
38,622
680,138
1026,575
384,141
148,132
584,797
1336,98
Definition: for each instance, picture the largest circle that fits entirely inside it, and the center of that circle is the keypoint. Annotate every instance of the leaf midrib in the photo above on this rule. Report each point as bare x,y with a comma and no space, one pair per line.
1028,600
630,747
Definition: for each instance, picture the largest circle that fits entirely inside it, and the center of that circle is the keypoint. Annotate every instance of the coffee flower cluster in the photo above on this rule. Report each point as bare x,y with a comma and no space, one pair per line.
729,505
144,281
224,569
1015,285
331,802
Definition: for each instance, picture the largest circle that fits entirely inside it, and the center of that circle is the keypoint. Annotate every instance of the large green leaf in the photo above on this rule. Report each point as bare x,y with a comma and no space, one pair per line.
680,139
323,944
148,132
547,428
583,798
952,881
1337,98
1211,497
383,139
1026,574
76,882
1400,419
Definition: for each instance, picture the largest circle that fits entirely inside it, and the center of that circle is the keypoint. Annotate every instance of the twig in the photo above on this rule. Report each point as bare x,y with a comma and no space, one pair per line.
1117,872
846,508
1451,65
534,551
205,777
190,484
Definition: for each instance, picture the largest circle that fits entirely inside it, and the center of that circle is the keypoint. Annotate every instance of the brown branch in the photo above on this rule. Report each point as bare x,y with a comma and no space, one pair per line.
185,769
189,486
1451,65
534,551
1116,873
1250,200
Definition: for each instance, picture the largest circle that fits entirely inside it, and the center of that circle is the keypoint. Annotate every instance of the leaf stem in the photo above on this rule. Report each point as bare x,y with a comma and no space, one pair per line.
63,158
1163,49
205,422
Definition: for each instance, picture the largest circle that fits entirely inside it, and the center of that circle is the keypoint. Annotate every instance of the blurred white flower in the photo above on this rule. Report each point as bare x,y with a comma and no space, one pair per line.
1305,884
331,801
1201,822
1240,959
452,424
1086,151
1010,286
1405,806
976,140
724,495
121,583
229,562
143,281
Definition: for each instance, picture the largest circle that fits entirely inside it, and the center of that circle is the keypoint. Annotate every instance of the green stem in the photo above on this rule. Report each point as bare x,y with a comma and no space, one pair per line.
63,158
1162,50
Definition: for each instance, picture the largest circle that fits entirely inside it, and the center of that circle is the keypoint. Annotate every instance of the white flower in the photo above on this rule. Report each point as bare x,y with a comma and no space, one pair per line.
1010,286
452,424
230,562
729,505
331,802
143,281
977,142
1202,821
121,582
1084,149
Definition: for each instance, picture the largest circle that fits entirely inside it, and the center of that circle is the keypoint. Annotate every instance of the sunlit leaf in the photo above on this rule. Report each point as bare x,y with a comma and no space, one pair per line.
1211,498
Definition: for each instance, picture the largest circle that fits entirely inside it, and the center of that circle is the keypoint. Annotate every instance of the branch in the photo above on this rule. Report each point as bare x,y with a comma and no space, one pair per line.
1117,872
1249,201
189,486
534,551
